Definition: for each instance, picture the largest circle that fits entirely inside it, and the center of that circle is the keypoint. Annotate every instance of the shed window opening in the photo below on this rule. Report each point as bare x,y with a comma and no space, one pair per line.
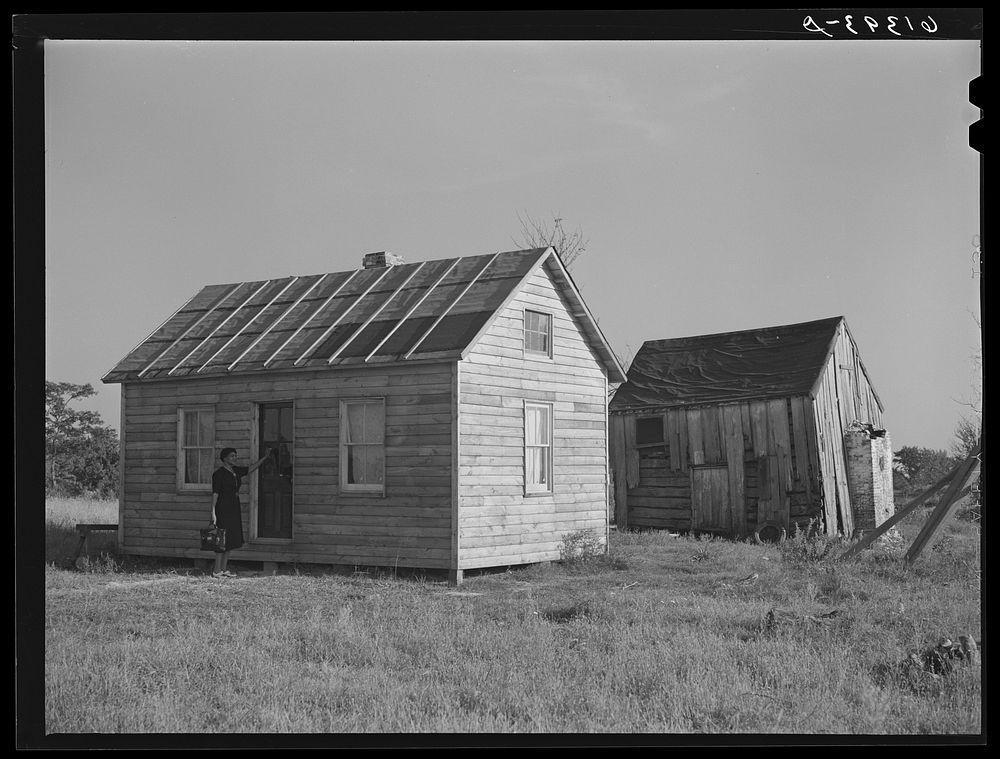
649,431
196,459
538,448
363,448
538,333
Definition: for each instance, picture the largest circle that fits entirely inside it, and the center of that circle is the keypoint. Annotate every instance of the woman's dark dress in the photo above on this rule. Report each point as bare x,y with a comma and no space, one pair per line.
227,508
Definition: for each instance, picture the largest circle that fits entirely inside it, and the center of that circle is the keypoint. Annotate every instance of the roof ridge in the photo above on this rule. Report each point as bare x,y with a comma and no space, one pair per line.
331,273
830,319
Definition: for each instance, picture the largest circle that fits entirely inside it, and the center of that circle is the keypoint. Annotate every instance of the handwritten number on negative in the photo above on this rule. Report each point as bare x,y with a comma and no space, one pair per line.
810,24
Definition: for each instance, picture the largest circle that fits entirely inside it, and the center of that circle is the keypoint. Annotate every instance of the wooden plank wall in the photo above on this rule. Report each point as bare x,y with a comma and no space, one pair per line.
843,395
858,399
409,526
776,477
499,524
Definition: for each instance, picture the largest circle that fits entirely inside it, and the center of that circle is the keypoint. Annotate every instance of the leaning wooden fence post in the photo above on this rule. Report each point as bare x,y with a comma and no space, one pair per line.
942,509
873,535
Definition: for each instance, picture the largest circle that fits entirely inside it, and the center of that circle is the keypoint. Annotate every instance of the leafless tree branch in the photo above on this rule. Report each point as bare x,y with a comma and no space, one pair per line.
536,233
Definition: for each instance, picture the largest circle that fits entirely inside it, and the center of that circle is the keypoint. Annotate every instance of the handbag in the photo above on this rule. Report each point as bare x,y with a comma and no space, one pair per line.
213,538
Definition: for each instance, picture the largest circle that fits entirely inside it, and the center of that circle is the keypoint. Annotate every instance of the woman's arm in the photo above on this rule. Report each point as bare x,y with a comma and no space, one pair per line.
257,464
215,499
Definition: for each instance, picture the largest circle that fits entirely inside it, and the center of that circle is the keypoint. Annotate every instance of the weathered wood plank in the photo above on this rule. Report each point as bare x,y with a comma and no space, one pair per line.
800,444
683,442
711,428
823,428
732,421
770,506
748,444
777,427
695,436
678,504
672,439
833,437
616,447
632,475
673,511
758,427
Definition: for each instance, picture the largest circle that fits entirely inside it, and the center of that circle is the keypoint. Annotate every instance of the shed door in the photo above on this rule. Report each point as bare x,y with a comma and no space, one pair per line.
710,499
274,484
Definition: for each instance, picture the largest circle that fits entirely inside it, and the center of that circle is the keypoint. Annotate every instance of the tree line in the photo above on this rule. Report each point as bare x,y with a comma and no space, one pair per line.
81,451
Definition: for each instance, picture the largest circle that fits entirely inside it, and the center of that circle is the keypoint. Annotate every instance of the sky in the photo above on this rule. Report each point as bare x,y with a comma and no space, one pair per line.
720,185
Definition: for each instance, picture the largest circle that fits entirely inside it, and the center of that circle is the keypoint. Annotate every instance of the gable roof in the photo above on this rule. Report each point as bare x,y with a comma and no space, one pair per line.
729,366
427,310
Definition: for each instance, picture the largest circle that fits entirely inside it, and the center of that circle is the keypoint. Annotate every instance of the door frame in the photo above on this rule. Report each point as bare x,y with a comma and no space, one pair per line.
254,484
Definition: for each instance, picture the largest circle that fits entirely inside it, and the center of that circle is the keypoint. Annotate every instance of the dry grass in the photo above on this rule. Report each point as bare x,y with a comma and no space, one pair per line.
61,539
664,635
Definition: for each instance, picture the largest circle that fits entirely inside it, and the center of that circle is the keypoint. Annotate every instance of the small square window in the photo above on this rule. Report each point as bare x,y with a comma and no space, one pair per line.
649,431
538,333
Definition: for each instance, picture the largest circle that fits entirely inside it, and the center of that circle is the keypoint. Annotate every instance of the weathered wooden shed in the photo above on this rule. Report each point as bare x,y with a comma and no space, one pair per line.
749,432
449,414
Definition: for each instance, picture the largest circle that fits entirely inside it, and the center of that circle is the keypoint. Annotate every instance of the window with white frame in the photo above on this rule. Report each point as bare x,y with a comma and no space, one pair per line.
362,445
538,333
537,447
195,447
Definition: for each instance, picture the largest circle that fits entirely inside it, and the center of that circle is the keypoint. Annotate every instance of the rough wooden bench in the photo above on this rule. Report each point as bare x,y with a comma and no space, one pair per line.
84,530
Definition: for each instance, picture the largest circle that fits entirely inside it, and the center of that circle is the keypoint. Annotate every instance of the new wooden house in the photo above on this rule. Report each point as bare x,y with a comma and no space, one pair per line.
448,414
749,432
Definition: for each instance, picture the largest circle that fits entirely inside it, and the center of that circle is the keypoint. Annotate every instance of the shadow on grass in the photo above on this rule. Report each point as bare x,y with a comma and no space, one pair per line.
566,613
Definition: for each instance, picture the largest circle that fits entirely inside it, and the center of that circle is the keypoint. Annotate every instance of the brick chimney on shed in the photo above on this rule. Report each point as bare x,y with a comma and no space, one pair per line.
381,259
869,474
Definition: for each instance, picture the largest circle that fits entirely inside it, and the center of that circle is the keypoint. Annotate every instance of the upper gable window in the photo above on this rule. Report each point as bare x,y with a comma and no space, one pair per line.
538,333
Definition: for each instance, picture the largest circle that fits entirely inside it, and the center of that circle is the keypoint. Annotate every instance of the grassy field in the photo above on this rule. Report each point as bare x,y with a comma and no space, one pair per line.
662,635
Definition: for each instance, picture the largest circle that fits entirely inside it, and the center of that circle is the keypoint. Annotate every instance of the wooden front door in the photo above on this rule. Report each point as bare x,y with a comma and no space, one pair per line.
274,483
710,509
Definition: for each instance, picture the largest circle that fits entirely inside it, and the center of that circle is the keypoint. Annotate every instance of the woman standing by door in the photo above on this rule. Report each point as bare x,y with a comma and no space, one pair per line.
226,513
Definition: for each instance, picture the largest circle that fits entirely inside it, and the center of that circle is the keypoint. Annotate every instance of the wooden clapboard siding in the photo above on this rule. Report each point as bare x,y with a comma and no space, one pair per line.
498,523
410,526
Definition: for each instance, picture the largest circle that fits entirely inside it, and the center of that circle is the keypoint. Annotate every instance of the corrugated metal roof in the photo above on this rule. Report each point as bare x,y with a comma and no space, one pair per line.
729,366
431,309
